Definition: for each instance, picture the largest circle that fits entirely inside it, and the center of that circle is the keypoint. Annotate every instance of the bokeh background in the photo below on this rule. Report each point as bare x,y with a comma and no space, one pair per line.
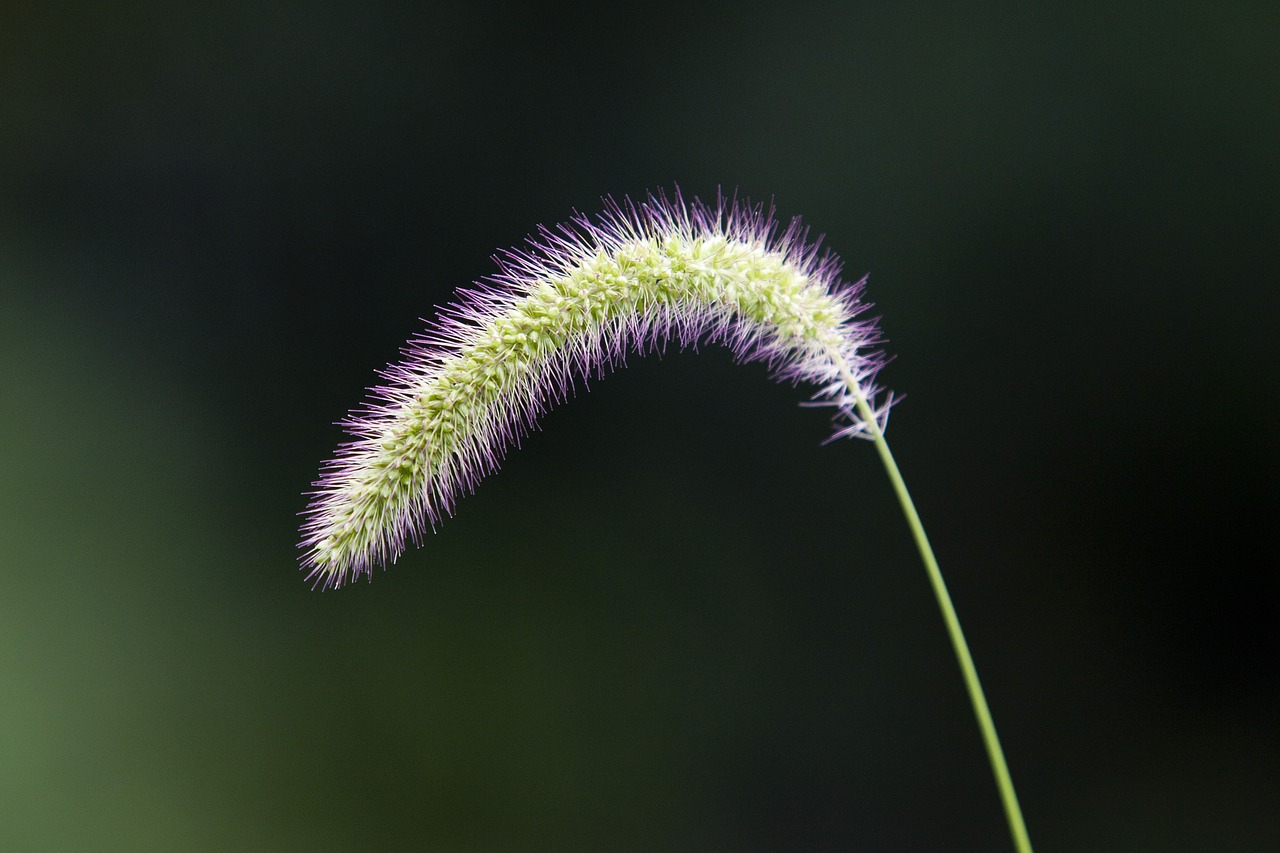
674,621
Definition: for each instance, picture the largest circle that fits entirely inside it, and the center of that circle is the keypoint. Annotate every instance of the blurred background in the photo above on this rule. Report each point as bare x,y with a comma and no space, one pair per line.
673,621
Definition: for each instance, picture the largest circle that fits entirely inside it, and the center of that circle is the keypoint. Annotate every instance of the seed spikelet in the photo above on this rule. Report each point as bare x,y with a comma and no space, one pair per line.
569,305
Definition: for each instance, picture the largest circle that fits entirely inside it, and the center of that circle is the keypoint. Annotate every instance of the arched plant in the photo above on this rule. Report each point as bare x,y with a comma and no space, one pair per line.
570,304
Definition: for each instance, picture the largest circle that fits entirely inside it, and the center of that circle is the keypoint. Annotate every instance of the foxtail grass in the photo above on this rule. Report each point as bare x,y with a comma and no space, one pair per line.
571,304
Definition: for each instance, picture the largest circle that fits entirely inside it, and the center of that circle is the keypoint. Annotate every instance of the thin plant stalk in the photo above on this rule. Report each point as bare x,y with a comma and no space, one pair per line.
999,767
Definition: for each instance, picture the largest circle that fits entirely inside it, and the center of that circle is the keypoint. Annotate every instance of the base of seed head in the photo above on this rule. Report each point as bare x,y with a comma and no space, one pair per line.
568,305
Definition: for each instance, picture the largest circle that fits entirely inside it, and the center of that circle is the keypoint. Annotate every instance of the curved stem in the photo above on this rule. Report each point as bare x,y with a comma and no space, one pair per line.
1009,797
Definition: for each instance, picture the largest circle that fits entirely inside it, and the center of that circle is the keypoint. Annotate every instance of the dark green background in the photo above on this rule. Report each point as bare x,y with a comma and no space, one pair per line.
674,621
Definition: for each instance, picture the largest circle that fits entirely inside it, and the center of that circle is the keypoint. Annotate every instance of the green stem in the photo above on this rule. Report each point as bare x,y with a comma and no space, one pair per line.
1013,812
